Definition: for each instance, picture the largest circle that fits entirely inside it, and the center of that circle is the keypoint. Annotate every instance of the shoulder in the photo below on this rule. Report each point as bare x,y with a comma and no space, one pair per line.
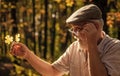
74,45
112,43
111,55
109,43
72,48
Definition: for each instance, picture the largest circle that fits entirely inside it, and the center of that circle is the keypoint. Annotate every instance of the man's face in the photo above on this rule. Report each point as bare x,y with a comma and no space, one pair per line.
77,29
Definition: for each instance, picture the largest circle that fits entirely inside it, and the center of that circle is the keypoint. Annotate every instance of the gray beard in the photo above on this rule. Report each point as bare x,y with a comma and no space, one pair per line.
83,44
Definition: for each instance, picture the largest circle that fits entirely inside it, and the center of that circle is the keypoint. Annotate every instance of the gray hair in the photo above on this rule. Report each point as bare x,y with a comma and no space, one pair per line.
100,22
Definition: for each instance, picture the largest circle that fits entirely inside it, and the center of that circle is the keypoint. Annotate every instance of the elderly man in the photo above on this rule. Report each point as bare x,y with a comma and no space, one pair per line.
93,53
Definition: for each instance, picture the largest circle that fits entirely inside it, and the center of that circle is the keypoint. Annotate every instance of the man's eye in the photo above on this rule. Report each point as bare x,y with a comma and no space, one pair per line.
79,28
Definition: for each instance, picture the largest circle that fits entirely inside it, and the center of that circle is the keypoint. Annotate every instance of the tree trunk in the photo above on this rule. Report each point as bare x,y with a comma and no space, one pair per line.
46,27
33,24
53,32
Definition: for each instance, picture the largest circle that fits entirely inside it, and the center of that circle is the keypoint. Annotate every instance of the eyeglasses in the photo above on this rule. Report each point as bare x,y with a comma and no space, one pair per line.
75,31
78,27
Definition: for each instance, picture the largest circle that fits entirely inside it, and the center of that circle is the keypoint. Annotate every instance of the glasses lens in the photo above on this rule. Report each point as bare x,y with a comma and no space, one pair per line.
73,32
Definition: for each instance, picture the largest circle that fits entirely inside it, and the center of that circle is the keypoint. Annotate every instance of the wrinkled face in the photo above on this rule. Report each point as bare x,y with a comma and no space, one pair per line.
78,27
78,31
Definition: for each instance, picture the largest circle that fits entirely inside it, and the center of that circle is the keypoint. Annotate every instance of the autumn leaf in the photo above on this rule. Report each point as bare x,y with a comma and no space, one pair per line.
69,3
17,37
8,39
58,1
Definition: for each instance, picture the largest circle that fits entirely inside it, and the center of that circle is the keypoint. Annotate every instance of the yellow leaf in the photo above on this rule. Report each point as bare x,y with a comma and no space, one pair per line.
17,37
8,39
69,3
58,1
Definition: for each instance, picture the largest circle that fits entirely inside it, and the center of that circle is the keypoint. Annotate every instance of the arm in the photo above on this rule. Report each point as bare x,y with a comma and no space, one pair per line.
95,64
44,68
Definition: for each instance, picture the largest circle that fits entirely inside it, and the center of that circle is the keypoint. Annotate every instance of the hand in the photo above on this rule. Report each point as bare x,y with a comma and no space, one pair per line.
88,35
19,49
90,32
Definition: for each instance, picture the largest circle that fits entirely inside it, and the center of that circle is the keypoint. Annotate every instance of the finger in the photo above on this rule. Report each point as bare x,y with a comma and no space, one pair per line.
92,26
15,51
12,45
12,52
87,28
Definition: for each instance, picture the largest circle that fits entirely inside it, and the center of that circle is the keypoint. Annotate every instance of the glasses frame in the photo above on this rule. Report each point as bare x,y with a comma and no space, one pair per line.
71,30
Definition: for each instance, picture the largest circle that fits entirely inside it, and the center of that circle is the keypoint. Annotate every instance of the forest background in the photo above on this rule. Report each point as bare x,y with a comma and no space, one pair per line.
40,24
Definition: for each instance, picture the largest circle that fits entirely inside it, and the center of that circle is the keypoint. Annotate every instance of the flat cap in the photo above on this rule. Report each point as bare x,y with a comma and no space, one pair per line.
87,12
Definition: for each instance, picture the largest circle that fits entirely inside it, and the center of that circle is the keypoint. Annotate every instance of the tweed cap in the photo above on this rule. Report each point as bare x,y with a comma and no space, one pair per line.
87,12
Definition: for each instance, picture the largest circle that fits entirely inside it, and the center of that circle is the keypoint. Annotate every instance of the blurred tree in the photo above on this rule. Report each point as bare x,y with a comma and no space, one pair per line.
112,4
13,15
53,33
114,11
100,4
34,25
46,28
